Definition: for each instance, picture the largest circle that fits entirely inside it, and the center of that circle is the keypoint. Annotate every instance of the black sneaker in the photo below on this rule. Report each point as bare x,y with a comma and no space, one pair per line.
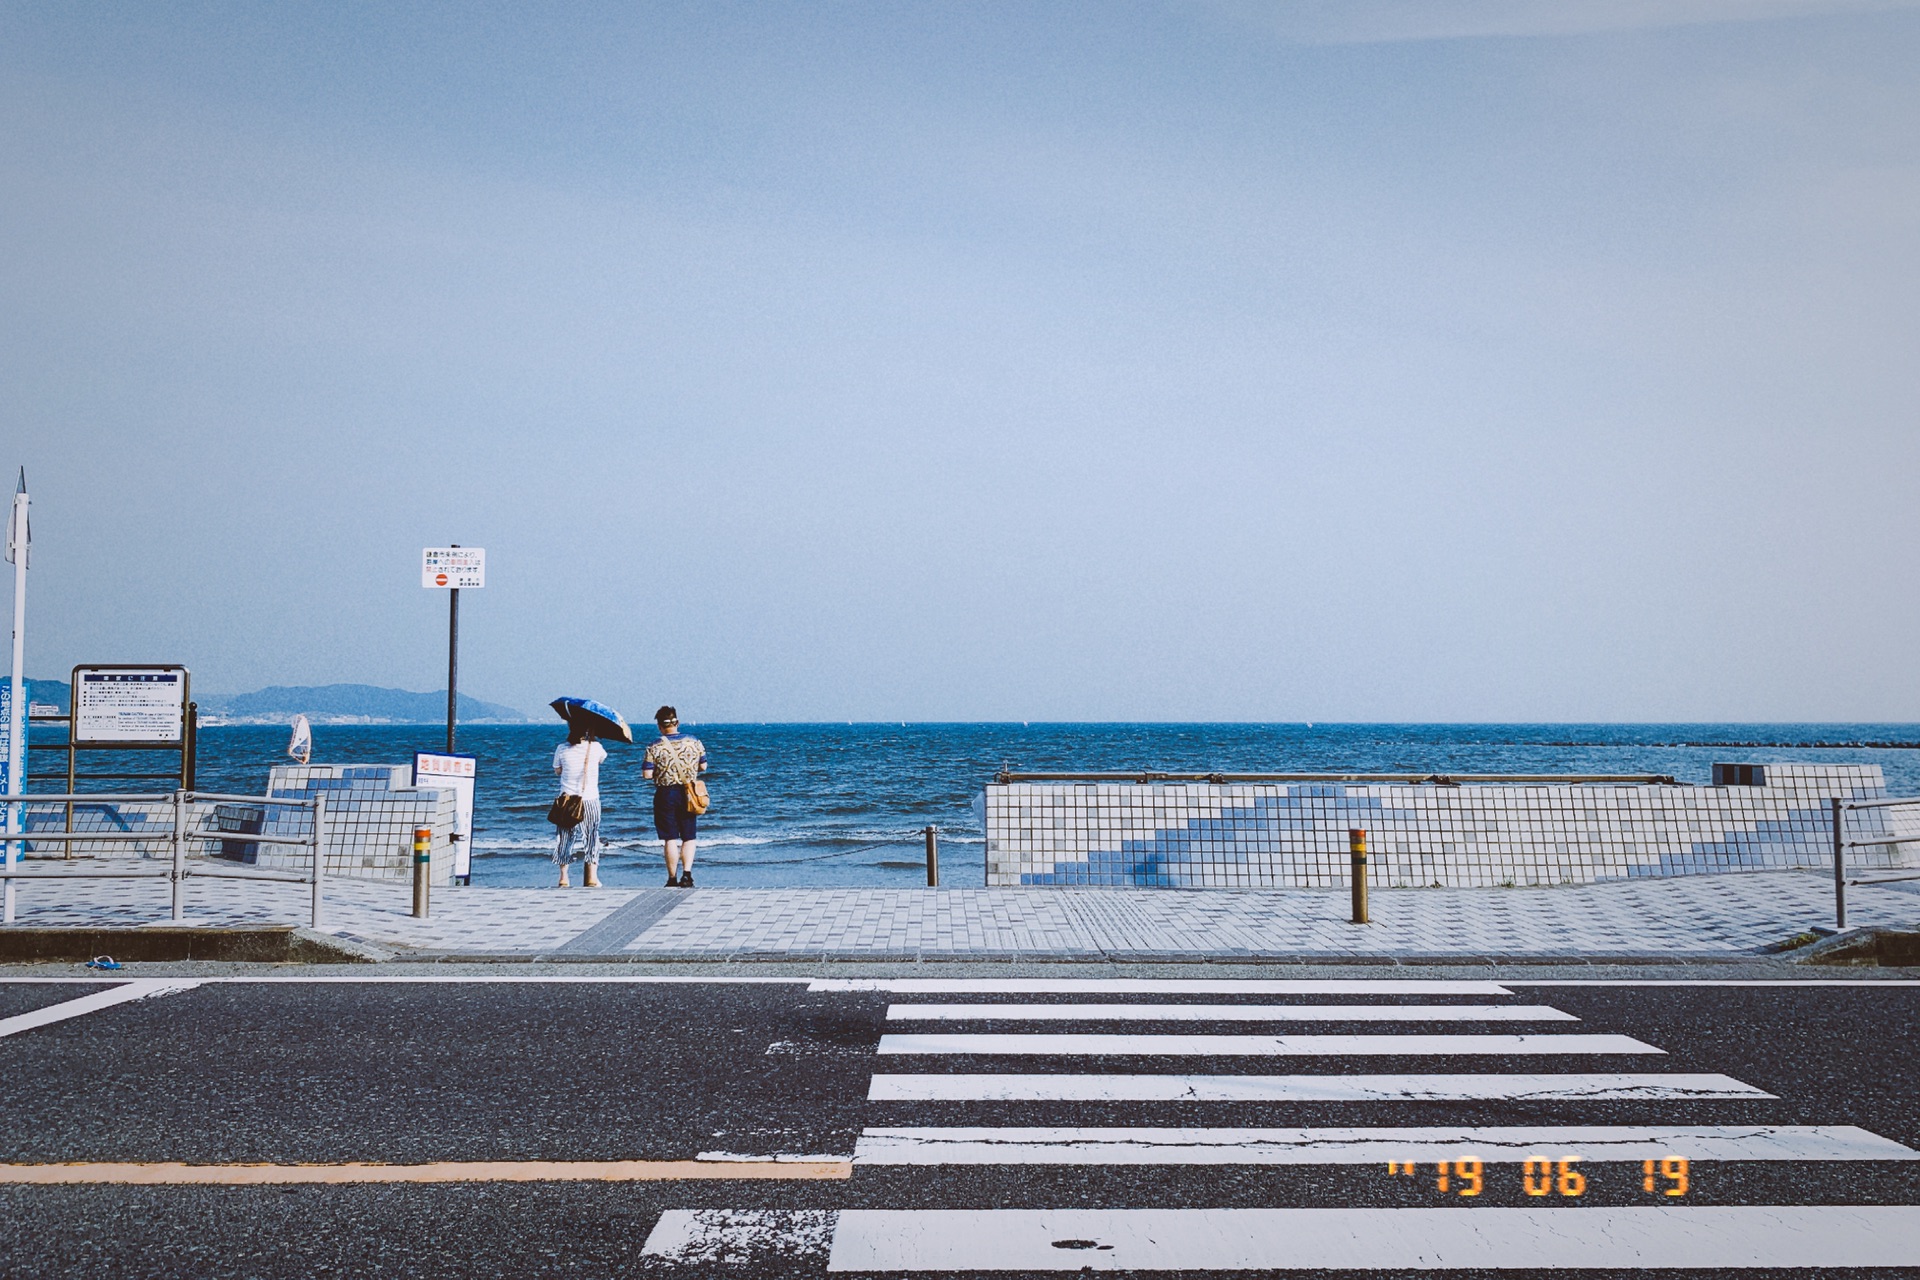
686,879
672,883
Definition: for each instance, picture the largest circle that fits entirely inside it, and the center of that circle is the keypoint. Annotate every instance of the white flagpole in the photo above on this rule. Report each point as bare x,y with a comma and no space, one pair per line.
18,539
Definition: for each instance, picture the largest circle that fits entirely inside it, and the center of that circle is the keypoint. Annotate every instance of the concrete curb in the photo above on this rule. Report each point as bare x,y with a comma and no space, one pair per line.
270,944
1876,945
1303,958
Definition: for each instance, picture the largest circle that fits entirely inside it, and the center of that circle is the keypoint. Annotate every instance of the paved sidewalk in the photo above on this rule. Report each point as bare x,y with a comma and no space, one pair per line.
1690,917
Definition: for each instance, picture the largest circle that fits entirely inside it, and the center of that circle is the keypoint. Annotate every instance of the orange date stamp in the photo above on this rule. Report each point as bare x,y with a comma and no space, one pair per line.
1666,1177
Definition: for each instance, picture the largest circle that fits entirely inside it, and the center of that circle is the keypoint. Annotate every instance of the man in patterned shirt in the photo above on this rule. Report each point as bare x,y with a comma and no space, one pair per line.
672,762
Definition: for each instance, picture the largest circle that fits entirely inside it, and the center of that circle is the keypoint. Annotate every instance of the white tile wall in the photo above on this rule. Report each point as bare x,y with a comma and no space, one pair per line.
1258,835
372,811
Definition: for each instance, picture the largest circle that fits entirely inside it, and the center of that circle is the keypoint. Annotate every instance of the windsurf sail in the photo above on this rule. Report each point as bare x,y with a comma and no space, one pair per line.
301,748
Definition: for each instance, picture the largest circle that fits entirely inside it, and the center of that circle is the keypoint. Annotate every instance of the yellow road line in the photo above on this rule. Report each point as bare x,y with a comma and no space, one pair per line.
169,1173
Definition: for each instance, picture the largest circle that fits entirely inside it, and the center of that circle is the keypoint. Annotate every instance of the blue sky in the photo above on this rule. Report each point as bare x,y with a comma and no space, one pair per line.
1237,360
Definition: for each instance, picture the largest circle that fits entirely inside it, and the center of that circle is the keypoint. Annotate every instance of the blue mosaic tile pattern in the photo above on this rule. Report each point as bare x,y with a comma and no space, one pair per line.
155,820
1252,835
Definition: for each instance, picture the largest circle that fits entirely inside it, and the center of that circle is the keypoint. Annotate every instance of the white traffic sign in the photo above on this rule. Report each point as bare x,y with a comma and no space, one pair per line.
129,704
453,567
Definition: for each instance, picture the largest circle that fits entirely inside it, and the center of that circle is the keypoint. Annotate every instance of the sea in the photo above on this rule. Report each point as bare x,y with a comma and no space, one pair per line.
845,804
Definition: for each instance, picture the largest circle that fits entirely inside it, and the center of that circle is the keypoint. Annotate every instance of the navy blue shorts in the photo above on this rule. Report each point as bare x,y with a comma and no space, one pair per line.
671,821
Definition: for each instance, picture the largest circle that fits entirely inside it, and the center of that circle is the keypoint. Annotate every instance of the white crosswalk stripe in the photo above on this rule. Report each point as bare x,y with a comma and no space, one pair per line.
1427,1239
1423,1239
1166,986
1331,1046
1488,1144
1584,1086
1226,1013
1544,1235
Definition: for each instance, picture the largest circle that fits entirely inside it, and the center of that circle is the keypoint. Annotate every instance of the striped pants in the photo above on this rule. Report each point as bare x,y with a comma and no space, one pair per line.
581,842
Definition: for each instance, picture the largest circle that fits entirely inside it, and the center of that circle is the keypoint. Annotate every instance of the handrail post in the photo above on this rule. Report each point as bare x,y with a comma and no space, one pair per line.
422,870
1357,851
1839,864
179,876
933,857
319,854
16,823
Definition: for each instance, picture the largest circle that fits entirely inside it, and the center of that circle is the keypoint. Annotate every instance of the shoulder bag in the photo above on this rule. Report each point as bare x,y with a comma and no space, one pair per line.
569,811
697,798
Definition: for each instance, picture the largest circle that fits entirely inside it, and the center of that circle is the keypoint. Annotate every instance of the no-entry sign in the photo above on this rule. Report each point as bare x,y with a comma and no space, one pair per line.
453,567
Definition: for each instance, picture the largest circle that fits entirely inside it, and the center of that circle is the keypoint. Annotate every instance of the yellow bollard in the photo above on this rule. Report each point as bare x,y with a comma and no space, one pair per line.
422,869
1357,848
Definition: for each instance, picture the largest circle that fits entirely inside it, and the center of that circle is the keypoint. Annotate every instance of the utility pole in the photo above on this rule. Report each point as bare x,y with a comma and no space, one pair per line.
19,539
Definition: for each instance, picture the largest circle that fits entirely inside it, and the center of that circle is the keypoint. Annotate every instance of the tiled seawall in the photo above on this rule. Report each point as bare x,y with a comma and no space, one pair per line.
1294,835
372,811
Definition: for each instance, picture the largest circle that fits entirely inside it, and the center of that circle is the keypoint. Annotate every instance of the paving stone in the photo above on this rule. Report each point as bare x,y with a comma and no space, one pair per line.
1695,915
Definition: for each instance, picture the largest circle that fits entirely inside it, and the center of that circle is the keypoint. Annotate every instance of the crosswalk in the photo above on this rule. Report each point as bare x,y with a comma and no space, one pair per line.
1552,1229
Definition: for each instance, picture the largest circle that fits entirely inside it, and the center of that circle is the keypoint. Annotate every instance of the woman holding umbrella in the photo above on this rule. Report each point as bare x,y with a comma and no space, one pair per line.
577,761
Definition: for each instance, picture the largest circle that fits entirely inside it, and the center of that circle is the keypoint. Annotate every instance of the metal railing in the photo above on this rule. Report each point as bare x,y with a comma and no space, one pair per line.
1842,842
185,830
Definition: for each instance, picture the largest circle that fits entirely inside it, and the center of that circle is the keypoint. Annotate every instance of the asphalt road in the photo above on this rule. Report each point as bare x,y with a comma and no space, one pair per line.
306,1072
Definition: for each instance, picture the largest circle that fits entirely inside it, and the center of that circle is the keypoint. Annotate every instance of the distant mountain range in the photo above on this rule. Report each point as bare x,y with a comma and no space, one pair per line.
321,704
48,691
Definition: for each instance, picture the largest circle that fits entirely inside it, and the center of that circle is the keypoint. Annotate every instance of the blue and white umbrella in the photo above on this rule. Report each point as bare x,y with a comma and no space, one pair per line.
597,718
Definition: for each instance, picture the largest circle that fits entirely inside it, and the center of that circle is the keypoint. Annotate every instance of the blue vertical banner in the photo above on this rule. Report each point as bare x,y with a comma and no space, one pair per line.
7,696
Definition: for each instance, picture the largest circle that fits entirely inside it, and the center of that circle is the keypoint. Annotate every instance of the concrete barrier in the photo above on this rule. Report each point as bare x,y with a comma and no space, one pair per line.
1235,835
268,944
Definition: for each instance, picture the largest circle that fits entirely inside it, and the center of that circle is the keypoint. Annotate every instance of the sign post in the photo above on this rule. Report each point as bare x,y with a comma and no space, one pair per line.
449,569
122,707
13,769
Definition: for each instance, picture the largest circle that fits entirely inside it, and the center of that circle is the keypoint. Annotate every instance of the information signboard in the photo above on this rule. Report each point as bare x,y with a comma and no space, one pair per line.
452,773
453,567
128,705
